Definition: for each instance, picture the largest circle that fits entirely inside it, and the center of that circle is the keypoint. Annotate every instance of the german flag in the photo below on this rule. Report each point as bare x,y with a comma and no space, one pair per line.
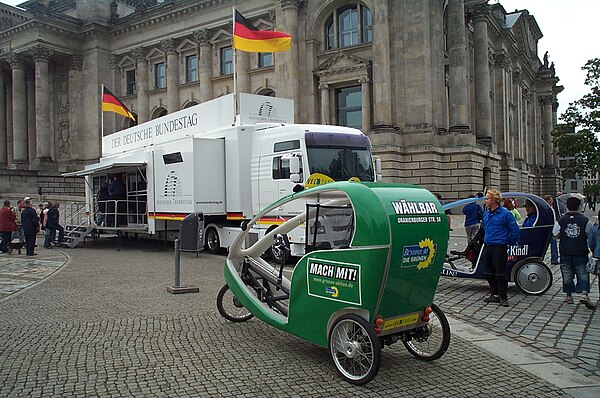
110,103
247,37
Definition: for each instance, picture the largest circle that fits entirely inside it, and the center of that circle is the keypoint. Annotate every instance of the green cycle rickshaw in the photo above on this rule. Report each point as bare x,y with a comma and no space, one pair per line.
374,252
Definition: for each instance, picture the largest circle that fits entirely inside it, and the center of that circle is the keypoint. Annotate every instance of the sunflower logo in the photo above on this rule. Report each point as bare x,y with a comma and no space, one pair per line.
427,243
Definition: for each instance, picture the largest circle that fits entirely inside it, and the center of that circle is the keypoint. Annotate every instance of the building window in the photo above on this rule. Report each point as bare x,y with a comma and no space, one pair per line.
191,68
353,24
226,61
265,60
348,107
160,80
130,82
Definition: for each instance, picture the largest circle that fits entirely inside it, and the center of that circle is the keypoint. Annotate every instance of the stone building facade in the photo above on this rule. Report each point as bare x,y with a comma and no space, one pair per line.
452,93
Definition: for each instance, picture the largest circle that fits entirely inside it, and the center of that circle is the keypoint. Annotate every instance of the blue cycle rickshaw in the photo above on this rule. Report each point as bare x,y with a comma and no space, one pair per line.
525,266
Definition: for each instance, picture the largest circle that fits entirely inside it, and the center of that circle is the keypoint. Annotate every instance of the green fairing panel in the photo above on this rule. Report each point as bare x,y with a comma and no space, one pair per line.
420,241
329,281
244,295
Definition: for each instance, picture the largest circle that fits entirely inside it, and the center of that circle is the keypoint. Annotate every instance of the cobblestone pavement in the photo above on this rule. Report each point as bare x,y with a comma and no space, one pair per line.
569,333
105,325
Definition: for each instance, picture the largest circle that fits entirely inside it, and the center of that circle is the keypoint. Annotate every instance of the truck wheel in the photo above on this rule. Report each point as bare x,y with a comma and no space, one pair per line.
532,276
230,307
212,242
355,349
279,255
430,341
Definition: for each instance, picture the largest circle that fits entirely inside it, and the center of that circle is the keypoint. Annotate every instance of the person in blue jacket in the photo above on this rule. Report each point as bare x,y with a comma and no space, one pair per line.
473,213
531,214
501,229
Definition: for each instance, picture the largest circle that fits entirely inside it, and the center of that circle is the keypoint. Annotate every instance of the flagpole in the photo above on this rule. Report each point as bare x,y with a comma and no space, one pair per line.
235,96
101,118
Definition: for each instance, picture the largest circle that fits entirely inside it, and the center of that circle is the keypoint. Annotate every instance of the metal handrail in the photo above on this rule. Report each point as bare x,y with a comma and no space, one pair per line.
112,217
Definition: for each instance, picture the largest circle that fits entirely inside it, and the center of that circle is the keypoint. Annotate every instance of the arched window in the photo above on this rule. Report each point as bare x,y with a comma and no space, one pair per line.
129,122
267,92
348,26
159,112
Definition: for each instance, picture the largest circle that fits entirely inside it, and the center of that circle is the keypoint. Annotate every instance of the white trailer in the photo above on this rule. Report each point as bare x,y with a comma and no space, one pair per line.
199,160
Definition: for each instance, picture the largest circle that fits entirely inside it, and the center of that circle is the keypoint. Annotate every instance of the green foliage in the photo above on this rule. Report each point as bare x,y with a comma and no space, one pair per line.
577,136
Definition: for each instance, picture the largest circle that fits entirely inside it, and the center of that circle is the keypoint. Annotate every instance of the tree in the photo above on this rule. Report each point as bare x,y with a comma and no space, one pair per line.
577,137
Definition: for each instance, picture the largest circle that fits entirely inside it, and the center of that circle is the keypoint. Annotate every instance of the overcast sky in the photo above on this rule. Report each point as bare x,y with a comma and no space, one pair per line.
571,32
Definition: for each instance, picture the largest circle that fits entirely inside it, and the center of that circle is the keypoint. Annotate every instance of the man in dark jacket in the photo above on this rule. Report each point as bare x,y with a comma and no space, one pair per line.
7,225
572,230
31,225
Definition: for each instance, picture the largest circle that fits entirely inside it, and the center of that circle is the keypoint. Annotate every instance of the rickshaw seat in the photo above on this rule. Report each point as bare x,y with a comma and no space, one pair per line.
474,245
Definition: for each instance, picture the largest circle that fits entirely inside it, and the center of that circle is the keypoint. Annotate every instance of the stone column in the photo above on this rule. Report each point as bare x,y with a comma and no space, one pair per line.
457,49
555,160
43,99
483,105
141,82
204,65
547,123
3,129
365,104
169,47
243,65
382,95
110,118
75,127
19,106
291,77
324,103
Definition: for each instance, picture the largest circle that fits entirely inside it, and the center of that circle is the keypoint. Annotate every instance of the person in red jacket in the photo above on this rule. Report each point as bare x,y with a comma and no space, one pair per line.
7,225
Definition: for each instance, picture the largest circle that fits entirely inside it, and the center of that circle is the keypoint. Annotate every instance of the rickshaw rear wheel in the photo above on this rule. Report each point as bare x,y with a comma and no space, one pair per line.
532,276
230,307
355,349
431,341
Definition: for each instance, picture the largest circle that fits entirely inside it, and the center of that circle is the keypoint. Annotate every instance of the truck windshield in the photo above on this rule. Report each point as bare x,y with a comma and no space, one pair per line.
340,156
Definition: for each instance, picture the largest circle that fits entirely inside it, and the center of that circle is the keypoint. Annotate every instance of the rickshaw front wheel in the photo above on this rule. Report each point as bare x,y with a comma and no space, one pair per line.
532,276
431,341
355,349
230,307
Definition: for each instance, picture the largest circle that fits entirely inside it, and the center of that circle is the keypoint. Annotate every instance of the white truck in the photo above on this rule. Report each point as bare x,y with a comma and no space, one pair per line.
204,159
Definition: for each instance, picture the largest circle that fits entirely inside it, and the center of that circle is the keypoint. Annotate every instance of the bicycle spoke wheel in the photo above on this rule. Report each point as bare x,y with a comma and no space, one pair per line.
354,349
433,339
230,307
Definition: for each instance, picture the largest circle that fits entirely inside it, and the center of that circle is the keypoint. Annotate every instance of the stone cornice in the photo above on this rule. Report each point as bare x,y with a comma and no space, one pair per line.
160,15
341,63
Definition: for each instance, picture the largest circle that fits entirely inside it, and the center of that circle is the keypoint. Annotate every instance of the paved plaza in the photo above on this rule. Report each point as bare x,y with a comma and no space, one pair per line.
94,321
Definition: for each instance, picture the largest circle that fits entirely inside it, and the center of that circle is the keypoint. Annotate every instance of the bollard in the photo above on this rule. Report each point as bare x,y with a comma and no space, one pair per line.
177,288
177,262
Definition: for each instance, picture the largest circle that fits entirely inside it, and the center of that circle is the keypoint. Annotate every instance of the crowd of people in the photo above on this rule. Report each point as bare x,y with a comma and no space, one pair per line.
20,225
573,238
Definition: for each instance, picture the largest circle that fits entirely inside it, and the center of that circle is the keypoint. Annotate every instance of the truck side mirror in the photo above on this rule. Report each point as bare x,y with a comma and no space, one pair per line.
295,169
294,165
